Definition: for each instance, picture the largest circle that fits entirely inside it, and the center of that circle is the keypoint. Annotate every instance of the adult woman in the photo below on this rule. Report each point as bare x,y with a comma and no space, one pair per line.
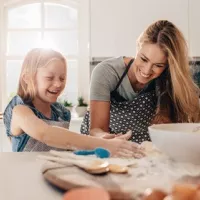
154,87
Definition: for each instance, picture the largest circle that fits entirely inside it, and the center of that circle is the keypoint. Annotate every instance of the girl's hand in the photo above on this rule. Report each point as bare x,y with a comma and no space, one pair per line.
124,148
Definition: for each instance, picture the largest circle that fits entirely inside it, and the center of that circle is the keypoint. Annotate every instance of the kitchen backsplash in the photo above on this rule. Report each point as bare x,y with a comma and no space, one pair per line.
195,67
96,60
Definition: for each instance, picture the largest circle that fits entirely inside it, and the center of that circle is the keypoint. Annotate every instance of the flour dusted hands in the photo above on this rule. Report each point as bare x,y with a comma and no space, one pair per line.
120,147
124,148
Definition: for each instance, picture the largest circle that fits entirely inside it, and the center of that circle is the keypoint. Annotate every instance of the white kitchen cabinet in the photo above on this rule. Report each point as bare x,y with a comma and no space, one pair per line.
194,27
112,27
115,24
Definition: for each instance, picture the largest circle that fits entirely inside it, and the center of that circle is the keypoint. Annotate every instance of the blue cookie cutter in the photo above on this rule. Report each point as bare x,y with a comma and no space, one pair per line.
99,152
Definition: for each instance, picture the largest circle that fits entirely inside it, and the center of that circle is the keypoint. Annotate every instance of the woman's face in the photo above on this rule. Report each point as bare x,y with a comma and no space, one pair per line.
149,63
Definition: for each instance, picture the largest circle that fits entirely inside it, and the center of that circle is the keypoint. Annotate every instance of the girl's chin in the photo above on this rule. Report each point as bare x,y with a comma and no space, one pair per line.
51,100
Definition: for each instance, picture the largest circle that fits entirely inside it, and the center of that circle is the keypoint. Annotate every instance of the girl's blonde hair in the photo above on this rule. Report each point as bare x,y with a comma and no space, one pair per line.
179,95
36,58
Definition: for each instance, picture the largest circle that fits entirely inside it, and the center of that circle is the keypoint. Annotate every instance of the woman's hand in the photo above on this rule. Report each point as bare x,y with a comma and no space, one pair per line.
108,136
125,136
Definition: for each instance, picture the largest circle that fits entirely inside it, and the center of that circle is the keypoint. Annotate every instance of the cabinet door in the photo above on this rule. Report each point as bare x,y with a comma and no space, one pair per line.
112,27
194,27
116,24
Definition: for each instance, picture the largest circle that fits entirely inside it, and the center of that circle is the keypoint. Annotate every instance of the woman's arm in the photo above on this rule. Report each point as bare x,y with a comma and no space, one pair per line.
100,118
103,80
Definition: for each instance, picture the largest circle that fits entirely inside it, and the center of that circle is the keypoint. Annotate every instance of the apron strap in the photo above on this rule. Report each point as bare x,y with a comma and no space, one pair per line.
124,74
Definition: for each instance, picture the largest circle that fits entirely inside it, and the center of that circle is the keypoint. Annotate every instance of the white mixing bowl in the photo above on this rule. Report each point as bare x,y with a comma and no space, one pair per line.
181,142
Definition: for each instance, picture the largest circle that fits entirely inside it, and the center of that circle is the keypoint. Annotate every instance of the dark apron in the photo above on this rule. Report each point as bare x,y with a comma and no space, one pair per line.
135,115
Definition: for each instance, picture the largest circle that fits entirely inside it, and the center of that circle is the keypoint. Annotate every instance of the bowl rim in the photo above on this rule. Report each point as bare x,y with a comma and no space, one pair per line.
158,128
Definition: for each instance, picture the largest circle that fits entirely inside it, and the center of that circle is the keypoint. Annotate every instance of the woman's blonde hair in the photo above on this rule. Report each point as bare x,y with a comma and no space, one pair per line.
179,95
36,58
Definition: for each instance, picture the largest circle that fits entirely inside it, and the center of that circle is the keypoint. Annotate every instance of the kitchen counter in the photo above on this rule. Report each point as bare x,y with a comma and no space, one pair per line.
21,178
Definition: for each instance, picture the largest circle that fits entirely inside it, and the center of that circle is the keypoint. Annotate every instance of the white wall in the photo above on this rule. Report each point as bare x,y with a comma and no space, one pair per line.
84,51
112,27
194,27
116,24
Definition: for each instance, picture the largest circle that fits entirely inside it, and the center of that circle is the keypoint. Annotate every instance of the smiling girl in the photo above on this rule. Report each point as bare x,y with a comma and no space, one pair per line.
36,122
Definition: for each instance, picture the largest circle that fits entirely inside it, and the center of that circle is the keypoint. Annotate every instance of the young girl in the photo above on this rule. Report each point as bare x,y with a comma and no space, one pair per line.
36,122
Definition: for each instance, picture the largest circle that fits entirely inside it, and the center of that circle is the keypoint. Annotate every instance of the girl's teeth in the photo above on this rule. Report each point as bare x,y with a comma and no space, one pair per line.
53,92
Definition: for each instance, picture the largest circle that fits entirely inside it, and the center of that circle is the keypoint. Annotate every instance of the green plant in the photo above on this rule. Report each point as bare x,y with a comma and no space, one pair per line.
67,103
81,102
